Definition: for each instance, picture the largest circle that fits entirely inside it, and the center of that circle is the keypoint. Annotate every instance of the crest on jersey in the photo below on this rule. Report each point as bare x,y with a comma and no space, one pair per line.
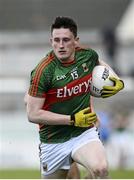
85,68
44,166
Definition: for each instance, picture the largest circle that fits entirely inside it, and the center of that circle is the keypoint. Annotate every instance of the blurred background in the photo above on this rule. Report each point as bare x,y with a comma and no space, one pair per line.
106,26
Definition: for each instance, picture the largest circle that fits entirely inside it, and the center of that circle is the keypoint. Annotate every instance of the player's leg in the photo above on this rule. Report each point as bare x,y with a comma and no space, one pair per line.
74,172
95,161
92,156
59,174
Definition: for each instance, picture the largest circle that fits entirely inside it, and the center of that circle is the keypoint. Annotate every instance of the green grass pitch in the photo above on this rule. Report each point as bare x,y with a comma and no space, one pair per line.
35,174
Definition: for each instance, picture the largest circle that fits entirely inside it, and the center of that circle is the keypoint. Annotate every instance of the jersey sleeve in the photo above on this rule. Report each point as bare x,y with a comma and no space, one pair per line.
95,57
39,82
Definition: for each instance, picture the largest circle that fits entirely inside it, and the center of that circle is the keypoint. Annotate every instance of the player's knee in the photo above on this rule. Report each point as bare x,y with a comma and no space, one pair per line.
101,170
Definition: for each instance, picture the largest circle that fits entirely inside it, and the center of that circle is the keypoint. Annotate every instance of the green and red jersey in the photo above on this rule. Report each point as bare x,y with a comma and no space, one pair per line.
66,89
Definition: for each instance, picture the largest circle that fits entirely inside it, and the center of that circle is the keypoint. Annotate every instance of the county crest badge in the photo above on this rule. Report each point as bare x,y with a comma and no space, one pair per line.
85,68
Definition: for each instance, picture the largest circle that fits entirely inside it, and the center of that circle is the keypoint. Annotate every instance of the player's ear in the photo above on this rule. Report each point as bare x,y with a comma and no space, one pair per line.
76,41
50,40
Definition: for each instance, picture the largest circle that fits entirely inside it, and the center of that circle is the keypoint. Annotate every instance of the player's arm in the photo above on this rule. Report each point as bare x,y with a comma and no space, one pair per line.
118,83
36,114
105,64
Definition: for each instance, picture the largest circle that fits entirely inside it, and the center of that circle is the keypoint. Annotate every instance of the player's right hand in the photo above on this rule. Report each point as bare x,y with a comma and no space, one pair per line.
84,118
108,91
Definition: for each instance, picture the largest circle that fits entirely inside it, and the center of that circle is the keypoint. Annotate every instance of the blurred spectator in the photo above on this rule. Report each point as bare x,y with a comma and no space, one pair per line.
120,147
110,44
105,127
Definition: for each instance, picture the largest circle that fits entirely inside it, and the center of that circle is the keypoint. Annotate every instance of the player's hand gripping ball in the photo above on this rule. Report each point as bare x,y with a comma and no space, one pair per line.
108,91
104,83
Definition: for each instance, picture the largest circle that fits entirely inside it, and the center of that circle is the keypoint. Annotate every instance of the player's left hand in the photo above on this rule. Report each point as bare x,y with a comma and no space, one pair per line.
108,91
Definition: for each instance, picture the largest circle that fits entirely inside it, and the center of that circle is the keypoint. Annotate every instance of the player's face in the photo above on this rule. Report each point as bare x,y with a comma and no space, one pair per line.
64,43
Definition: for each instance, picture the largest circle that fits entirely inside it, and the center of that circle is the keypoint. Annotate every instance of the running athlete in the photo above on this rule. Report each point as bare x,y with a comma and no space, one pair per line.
59,101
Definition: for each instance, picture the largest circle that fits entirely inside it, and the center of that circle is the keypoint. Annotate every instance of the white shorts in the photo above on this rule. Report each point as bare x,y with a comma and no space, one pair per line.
59,156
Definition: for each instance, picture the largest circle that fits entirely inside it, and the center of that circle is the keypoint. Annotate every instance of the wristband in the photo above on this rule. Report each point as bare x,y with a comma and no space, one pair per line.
72,120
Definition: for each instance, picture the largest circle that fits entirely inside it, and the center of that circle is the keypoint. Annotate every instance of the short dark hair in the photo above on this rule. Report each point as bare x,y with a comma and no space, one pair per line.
65,22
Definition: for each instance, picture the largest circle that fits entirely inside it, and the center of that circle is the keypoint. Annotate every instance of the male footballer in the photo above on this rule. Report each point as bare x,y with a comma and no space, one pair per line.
59,101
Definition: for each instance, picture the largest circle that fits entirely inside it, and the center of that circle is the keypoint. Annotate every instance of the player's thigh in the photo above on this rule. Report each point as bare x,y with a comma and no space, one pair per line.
59,174
91,155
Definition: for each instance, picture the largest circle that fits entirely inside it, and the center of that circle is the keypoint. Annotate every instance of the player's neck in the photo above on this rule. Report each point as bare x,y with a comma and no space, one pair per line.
67,63
69,60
